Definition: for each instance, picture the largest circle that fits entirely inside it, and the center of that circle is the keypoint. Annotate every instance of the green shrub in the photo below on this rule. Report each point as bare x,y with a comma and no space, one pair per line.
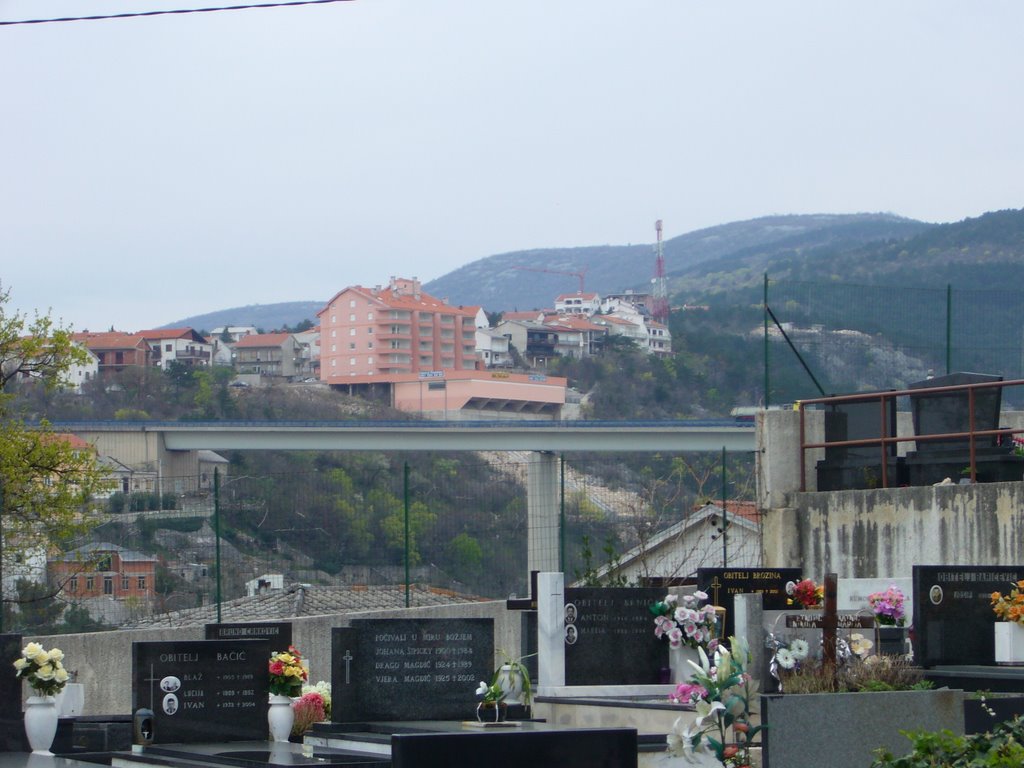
999,748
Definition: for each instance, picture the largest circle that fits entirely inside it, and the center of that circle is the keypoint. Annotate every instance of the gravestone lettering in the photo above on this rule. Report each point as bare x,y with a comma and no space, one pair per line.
953,618
279,633
843,621
401,669
610,640
203,690
721,584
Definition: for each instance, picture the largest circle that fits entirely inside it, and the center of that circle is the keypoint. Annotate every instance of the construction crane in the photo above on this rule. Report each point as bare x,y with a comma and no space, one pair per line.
660,309
578,275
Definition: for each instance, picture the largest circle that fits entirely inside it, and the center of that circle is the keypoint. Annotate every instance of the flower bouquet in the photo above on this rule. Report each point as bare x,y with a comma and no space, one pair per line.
1010,607
888,607
805,593
287,674
685,621
493,701
43,669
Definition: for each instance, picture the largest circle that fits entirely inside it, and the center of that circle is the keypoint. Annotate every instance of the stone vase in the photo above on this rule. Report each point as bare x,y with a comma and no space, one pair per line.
280,717
40,723
511,683
678,659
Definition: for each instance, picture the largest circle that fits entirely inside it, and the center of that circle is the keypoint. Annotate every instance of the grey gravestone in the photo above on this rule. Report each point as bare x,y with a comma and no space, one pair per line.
279,633
203,690
610,636
953,618
848,467
401,669
945,412
10,696
721,584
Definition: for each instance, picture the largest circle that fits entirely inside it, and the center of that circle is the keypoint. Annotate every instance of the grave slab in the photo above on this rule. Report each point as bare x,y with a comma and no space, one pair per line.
722,584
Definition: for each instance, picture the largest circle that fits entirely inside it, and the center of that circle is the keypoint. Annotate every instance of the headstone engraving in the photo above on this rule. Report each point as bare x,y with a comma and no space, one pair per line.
611,639
953,618
202,690
401,669
279,633
721,584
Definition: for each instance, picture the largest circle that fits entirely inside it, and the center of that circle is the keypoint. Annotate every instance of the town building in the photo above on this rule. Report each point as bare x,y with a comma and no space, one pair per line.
184,346
578,303
268,354
116,350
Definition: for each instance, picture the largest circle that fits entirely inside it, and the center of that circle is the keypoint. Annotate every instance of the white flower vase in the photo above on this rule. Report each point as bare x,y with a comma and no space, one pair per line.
280,717
511,684
677,660
40,723
1009,636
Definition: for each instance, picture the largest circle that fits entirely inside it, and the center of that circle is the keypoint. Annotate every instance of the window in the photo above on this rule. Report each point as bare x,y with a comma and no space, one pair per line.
334,362
90,583
334,318
369,315
142,582
351,331
167,347
351,361
74,584
108,585
369,360
334,333
369,345
369,331
351,302
351,345
352,318
124,582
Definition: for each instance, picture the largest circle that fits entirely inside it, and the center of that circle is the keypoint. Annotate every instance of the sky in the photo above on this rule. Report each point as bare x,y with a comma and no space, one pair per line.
156,168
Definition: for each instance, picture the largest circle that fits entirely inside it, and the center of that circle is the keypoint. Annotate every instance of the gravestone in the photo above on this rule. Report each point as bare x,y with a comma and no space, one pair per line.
609,636
203,690
720,584
402,669
949,412
953,618
850,467
278,633
11,731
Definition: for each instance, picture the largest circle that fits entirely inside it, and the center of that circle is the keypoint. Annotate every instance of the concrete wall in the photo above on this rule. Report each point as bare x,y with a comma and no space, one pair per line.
878,533
102,661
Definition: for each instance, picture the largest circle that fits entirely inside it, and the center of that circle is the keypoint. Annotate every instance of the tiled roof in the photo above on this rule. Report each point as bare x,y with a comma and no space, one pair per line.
169,333
577,295
306,600
110,340
101,547
534,315
262,340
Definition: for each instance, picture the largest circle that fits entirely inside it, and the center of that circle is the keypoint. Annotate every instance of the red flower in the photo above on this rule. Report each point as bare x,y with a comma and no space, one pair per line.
276,668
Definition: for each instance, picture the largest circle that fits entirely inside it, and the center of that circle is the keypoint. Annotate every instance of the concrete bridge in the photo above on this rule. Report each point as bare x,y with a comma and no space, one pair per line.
172,446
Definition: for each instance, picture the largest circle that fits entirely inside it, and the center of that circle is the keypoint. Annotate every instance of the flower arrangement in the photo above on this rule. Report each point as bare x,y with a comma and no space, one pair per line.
1010,607
324,689
725,705
791,657
308,709
685,620
888,606
42,669
492,694
287,674
805,593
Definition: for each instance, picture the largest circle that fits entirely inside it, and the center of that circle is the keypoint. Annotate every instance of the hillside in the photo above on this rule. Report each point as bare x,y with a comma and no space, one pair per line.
264,316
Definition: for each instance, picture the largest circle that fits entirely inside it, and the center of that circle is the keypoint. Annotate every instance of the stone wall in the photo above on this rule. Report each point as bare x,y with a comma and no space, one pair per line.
102,661
877,533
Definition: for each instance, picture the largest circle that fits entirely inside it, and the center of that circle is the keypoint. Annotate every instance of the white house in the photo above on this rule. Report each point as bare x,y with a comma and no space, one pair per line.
578,303
492,347
184,346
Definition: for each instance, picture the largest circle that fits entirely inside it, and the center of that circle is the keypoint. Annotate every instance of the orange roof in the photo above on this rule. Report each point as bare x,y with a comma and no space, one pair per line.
534,315
74,441
577,295
744,509
262,340
110,340
402,300
169,333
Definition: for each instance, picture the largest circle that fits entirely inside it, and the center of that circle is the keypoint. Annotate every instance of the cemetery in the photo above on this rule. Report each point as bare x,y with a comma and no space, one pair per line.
873,613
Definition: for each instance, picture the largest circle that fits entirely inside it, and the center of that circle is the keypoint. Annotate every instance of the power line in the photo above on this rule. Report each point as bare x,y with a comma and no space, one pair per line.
172,12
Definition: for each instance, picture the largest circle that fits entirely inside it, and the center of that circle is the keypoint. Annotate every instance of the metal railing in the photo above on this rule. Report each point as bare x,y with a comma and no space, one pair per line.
884,440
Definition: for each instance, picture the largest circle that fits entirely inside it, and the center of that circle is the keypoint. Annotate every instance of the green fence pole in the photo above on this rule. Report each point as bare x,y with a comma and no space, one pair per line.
949,329
765,312
216,533
405,493
561,517
725,518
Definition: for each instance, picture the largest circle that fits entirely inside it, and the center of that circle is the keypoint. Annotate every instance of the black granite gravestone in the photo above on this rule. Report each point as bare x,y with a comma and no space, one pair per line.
279,633
11,731
950,412
851,467
953,618
610,636
721,584
409,669
203,690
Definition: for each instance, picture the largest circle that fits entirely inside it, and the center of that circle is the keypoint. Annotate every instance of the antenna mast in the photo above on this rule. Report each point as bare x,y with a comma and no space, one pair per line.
660,309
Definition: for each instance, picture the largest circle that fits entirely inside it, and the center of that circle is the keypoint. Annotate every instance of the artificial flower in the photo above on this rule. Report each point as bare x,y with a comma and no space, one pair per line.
43,670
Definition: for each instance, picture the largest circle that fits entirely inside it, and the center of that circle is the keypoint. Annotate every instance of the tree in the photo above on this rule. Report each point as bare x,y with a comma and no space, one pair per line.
46,479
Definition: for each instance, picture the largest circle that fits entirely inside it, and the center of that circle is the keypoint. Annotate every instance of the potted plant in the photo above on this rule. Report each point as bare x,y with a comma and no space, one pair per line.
890,617
513,677
44,671
1009,631
287,673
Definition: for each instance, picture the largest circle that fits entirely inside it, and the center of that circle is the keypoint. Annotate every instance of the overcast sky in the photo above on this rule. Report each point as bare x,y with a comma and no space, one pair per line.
155,168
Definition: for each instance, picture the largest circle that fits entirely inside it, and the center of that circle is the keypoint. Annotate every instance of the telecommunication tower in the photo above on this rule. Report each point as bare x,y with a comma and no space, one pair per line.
660,309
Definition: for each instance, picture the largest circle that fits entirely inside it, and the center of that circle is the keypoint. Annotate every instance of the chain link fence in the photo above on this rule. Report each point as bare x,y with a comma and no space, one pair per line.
452,522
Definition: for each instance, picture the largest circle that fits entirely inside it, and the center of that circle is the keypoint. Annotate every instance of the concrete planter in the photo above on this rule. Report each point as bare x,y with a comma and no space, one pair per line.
842,730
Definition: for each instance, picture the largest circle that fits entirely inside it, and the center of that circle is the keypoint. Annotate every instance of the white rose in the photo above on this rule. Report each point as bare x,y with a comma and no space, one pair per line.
45,672
41,658
61,675
56,654
20,664
31,650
